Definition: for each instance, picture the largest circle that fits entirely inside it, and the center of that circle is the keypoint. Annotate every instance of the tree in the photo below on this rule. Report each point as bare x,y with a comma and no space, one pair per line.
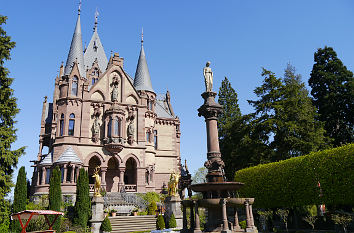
200,176
160,222
8,111
172,222
284,118
55,198
333,94
20,197
83,203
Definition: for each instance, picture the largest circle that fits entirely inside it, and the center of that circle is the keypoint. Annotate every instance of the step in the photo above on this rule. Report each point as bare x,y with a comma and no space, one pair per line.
125,224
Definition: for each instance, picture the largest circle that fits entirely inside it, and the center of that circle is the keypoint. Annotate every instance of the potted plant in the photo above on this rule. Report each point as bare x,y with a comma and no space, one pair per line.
113,212
105,213
135,211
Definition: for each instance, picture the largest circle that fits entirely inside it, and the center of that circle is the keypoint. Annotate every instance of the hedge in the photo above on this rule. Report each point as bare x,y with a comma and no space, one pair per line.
294,182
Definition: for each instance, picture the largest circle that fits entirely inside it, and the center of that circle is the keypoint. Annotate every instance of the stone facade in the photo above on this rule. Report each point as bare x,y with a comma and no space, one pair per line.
103,117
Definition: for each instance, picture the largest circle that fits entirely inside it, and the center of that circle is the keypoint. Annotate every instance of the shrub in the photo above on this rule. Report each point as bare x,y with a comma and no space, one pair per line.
106,225
160,223
152,208
295,182
243,224
172,222
20,197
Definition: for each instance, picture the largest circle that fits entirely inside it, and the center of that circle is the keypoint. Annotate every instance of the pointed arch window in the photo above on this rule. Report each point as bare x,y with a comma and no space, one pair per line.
117,127
61,123
148,136
155,139
71,124
109,133
74,86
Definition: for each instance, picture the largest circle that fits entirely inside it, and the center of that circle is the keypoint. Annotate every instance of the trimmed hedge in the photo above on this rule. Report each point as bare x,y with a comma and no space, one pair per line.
294,182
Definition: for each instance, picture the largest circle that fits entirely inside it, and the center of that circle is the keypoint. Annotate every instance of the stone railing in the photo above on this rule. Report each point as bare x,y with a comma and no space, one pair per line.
130,187
113,200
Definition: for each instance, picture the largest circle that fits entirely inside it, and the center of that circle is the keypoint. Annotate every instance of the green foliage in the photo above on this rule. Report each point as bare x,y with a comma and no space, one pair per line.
55,199
4,215
294,182
8,111
106,225
20,197
285,113
172,222
82,209
343,219
283,214
200,176
152,208
160,222
38,223
150,196
333,94
243,224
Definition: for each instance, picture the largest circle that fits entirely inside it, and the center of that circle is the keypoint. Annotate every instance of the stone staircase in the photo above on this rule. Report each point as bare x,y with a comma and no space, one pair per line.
125,224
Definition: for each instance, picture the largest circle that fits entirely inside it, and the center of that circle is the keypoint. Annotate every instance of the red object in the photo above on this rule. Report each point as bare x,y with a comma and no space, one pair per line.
29,214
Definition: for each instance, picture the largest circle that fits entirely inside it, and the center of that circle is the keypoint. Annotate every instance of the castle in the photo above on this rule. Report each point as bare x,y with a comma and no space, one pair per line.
101,116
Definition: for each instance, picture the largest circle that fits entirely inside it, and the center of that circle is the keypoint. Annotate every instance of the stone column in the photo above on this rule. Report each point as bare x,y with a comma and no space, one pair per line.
38,175
97,214
72,180
43,175
173,206
185,227
121,178
248,218
251,216
65,173
225,224
197,220
103,177
236,223
192,217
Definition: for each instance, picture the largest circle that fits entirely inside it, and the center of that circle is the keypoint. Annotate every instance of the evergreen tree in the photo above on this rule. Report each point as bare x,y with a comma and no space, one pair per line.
106,225
20,197
160,223
172,222
55,199
8,111
333,94
297,132
152,208
83,202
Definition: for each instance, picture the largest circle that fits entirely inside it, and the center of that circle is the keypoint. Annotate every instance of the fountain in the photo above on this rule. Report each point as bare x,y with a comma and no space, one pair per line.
218,194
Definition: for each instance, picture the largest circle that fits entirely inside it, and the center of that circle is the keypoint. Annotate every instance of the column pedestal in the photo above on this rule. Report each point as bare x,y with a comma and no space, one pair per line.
97,214
173,205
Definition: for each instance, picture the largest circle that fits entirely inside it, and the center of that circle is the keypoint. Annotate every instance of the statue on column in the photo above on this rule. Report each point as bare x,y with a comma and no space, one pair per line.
208,77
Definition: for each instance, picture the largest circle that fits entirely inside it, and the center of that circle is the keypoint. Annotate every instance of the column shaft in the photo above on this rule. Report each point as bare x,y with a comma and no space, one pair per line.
225,226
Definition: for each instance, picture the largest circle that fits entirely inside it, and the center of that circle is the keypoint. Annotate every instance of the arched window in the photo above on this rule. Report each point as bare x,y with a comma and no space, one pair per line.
117,127
61,132
148,136
109,134
155,139
71,124
47,178
74,86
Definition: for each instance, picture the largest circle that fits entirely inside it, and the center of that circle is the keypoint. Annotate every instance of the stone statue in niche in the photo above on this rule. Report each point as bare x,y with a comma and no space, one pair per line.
115,91
96,130
131,129
208,77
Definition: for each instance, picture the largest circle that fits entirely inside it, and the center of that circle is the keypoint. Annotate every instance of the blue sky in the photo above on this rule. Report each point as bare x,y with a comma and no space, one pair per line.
238,37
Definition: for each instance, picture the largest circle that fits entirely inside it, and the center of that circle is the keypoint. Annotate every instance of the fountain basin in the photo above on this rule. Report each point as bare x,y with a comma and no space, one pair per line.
213,202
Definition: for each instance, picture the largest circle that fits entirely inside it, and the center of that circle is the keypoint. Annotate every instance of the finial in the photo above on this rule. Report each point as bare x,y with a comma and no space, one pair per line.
142,36
79,10
111,53
96,19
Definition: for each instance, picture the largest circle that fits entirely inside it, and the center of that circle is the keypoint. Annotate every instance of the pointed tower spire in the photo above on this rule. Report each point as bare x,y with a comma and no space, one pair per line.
76,52
142,80
95,50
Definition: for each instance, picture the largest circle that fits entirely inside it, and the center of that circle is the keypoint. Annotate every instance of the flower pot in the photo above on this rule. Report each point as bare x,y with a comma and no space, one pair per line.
114,214
135,213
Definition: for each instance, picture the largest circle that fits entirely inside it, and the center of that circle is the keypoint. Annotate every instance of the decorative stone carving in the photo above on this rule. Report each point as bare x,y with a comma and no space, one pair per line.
131,132
208,77
115,91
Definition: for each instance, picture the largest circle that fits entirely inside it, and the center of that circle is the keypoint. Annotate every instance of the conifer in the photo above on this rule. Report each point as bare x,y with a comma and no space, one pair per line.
172,222
106,225
20,197
8,111
55,199
83,203
160,223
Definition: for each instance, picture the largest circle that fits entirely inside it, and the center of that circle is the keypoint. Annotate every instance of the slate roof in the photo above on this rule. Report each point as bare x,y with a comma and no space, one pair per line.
161,108
95,50
76,51
69,155
48,159
142,79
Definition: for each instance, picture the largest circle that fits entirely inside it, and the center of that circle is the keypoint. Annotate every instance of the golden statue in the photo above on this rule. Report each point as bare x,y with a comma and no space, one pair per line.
173,184
97,190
